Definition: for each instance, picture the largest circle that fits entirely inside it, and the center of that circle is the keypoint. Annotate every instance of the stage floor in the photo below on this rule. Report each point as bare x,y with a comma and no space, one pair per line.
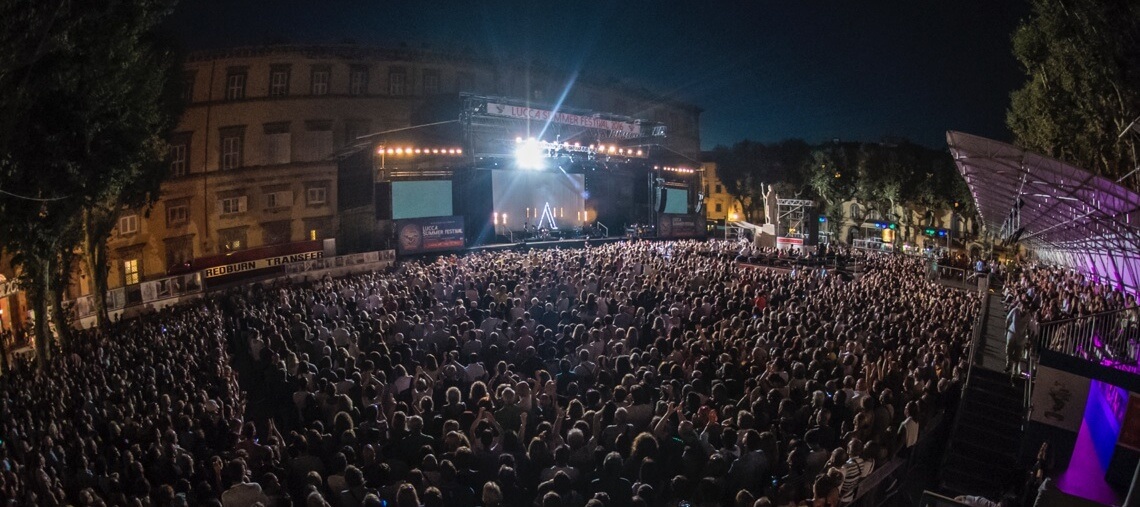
557,243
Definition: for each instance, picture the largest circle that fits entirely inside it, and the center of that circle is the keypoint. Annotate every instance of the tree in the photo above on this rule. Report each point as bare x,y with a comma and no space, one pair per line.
1082,61
747,166
87,110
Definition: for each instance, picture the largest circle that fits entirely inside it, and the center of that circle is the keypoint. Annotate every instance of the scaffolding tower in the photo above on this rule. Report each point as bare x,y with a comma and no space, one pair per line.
791,213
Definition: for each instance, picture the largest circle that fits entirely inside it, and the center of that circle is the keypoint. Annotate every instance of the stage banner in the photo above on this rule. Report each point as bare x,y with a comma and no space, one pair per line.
619,128
436,234
1059,398
671,226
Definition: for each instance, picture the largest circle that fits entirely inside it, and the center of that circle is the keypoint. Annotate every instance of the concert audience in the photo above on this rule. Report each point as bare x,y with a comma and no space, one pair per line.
635,373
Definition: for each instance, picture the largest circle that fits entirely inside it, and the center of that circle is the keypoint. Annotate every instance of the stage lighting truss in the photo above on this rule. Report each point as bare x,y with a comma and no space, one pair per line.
411,151
531,149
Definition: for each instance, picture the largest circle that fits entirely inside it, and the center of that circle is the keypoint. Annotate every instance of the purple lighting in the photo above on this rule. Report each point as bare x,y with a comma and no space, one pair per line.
1096,439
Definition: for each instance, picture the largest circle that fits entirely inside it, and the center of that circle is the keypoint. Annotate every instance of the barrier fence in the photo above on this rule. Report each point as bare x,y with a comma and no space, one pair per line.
191,284
1110,338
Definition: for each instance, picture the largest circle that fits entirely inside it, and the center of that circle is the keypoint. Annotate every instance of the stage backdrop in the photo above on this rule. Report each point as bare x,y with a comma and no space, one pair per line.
680,226
547,198
436,234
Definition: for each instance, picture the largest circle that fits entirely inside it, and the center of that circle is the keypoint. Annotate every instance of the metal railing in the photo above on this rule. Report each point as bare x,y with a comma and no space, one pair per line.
1109,338
976,333
604,228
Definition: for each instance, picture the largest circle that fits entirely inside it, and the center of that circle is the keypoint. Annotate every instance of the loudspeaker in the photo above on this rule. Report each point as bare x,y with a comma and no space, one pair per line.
662,197
384,200
811,227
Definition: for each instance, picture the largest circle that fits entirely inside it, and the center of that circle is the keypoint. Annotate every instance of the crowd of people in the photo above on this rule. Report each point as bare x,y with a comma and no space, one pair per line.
634,373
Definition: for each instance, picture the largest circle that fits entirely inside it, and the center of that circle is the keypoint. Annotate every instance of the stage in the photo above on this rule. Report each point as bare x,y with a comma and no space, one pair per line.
541,245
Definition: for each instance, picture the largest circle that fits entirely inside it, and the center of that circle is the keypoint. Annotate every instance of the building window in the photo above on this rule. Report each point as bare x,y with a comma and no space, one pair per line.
232,239
317,196
231,153
358,80
128,224
188,86
233,205
397,81
356,128
320,80
235,84
277,143
276,233
130,271
719,189
719,208
282,199
431,82
180,155
177,213
464,82
318,228
279,81
179,252
316,141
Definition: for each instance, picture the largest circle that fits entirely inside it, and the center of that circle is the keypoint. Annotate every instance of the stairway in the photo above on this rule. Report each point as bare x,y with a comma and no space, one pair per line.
981,457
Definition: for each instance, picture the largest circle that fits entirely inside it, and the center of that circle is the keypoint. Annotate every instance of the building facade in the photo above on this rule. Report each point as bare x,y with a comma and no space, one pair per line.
719,205
252,161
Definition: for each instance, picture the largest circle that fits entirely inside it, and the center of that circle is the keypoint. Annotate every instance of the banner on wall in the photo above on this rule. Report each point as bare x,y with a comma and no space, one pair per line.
436,234
1059,398
671,226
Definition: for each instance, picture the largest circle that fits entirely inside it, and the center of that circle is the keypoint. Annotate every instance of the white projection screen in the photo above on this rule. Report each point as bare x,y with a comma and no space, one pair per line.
537,198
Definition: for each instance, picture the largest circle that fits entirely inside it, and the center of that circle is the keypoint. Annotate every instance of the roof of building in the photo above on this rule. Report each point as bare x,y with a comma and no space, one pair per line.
409,54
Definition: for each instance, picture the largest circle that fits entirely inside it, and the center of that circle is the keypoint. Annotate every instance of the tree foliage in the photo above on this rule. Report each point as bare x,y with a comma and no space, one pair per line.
87,97
747,168
1082,63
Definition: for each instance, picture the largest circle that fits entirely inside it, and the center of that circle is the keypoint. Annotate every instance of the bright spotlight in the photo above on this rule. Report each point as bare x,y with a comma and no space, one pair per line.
529,155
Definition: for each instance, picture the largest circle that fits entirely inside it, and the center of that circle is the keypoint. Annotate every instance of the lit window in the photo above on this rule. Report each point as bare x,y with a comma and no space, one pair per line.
128,224
130,271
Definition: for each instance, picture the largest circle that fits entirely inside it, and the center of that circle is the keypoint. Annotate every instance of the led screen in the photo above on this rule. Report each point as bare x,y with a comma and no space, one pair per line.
419,199
538,198
676,201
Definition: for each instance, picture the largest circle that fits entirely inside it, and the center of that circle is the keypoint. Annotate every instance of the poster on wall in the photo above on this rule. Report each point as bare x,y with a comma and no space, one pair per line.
421,235
1059,398
671,226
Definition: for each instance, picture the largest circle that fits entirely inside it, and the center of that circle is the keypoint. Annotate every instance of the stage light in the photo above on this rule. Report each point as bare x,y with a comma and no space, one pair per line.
417,151
435,150
639,153
391,151
518,140
530,156
408,150
399,151
459,151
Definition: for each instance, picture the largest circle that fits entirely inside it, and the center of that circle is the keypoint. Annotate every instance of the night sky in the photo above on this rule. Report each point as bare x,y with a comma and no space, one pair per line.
764,70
